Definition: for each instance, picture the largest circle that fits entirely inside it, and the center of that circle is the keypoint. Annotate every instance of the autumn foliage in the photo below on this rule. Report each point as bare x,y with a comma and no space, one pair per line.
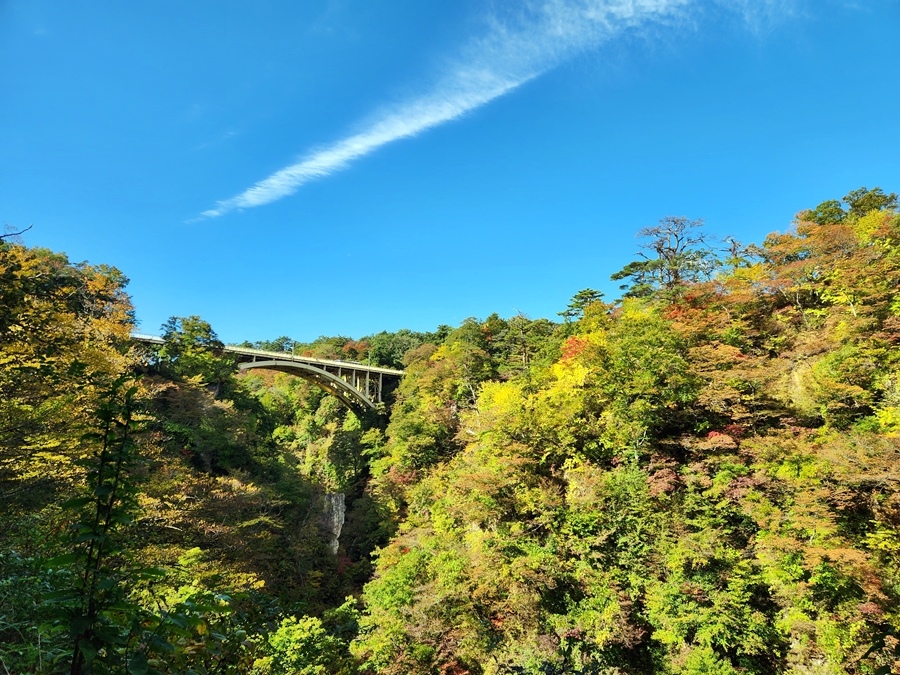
701,477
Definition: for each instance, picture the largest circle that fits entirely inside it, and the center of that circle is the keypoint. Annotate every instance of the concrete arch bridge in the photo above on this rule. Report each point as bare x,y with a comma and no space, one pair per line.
359,386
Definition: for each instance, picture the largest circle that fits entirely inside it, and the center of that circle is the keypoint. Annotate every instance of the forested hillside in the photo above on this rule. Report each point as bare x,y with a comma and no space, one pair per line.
702,476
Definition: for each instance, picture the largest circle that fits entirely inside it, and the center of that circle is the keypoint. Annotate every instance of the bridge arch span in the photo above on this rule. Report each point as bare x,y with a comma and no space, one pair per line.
359,386
346,393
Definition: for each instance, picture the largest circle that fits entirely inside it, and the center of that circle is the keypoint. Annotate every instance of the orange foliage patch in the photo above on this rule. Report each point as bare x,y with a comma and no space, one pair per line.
573,347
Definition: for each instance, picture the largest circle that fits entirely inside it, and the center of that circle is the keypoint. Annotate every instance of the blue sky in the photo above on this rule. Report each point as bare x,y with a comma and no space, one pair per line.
342,167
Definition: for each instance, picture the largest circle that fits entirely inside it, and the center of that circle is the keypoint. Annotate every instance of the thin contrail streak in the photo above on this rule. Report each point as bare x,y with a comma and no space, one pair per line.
408,121
513,51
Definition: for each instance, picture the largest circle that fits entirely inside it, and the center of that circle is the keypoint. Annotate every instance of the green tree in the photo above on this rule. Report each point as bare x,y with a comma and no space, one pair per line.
674,256
521,342
98,617
193,350
829,211
387,349
301,646
579,302
859,202
863,200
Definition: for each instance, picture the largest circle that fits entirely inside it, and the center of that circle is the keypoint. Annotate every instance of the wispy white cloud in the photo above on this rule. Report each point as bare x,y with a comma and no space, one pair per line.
514,49
761,16
409,120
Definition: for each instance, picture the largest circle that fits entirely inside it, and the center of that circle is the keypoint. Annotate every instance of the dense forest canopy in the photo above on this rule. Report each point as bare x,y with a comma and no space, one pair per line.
700,477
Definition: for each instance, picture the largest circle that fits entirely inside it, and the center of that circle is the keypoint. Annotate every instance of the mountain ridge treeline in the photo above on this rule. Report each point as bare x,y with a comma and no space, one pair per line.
701,477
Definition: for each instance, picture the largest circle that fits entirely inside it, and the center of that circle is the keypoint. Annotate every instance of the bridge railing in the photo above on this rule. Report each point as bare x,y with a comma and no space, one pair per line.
143,337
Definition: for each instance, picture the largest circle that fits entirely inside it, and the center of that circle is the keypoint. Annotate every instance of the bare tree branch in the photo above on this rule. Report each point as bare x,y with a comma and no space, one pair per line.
12,235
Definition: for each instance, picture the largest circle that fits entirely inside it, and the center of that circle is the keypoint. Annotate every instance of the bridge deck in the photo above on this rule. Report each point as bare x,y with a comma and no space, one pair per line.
287,356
